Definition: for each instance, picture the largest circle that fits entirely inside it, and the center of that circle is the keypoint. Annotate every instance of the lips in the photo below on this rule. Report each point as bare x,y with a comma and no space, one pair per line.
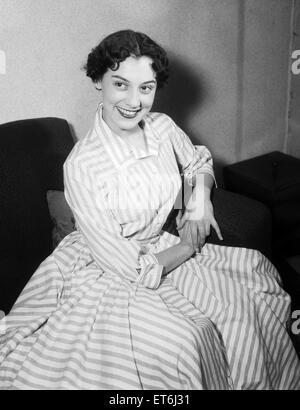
130,114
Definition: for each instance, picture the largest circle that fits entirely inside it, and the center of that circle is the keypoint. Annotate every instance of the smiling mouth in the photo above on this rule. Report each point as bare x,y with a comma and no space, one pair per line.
128,113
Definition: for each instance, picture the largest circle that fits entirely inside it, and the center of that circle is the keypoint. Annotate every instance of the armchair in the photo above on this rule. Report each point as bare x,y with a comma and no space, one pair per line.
32,153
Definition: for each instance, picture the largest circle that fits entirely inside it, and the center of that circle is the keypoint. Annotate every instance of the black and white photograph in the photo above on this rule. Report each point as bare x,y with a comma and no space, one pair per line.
150,197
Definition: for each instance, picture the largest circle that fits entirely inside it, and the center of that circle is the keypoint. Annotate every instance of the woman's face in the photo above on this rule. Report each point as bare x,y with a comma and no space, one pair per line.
128,94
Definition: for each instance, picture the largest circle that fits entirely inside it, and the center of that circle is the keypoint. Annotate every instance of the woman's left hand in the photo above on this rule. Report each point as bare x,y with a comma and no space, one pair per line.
194,225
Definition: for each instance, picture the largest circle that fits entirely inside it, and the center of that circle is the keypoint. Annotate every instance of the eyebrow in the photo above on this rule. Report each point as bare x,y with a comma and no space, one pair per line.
124,79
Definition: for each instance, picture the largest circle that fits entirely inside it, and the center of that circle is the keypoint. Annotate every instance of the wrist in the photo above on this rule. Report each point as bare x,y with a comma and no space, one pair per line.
198,199
187,248
202,191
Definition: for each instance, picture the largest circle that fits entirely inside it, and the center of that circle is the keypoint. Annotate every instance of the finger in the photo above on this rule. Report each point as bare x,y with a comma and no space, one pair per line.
178,224
189,232
202,235
185,232
179,216
217,229
198,249
195,238
181,221
207,229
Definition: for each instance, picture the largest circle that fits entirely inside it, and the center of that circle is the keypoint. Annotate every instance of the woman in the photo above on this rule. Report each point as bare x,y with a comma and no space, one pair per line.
121,304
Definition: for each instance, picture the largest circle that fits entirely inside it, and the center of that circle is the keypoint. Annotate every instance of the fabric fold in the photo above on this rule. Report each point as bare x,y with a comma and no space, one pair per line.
151,271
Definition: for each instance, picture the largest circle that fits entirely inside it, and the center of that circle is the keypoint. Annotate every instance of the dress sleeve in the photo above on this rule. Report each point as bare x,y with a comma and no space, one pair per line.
103,234
193,159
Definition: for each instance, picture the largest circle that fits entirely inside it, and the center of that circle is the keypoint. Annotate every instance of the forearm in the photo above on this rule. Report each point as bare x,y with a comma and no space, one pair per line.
174,256
195,203
202,185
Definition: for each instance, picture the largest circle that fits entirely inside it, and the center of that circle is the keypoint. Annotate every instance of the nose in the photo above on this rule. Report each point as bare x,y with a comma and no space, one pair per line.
133,98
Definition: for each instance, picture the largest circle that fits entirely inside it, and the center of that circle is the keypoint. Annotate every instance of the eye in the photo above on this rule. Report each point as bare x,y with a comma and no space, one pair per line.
146,89
119,85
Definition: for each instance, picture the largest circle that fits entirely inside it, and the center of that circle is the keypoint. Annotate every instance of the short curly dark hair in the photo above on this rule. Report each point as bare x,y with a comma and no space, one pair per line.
116,47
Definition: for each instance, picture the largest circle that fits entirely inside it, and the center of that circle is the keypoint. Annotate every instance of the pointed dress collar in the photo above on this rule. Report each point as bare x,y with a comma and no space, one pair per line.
119,150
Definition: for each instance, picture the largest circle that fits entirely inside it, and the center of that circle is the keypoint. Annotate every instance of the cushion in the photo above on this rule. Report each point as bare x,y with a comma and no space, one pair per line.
61,216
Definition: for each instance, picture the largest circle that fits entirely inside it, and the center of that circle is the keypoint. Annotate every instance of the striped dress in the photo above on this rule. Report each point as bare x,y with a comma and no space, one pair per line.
99,313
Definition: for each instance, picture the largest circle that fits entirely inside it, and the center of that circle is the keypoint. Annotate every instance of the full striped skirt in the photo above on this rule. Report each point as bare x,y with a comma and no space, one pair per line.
217,322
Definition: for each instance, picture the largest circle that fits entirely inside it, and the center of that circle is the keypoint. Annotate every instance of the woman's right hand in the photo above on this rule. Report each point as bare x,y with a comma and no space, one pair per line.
174,256
188,236
188,248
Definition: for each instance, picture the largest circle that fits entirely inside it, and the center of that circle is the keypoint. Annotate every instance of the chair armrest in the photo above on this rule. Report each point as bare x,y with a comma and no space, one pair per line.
244,222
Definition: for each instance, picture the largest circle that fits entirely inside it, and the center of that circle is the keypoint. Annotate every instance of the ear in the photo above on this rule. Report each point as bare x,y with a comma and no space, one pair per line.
98,85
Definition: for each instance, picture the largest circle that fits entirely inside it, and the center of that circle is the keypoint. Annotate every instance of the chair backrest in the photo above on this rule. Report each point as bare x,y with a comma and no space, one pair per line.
32,153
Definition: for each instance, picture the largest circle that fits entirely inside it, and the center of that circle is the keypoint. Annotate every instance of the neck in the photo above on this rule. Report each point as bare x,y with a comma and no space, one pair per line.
136,139
131,134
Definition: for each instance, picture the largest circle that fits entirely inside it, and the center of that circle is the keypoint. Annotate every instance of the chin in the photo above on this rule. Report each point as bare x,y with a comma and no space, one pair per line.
130,123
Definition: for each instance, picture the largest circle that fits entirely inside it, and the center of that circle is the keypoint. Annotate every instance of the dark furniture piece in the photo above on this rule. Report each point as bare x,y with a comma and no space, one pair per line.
32,153
244,222
274,179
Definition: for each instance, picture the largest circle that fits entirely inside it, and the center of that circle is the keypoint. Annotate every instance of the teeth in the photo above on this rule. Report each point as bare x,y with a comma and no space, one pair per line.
127,112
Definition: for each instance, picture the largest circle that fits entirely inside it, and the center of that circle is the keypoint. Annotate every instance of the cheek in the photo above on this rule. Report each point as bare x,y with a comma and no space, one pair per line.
148,100
110,96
